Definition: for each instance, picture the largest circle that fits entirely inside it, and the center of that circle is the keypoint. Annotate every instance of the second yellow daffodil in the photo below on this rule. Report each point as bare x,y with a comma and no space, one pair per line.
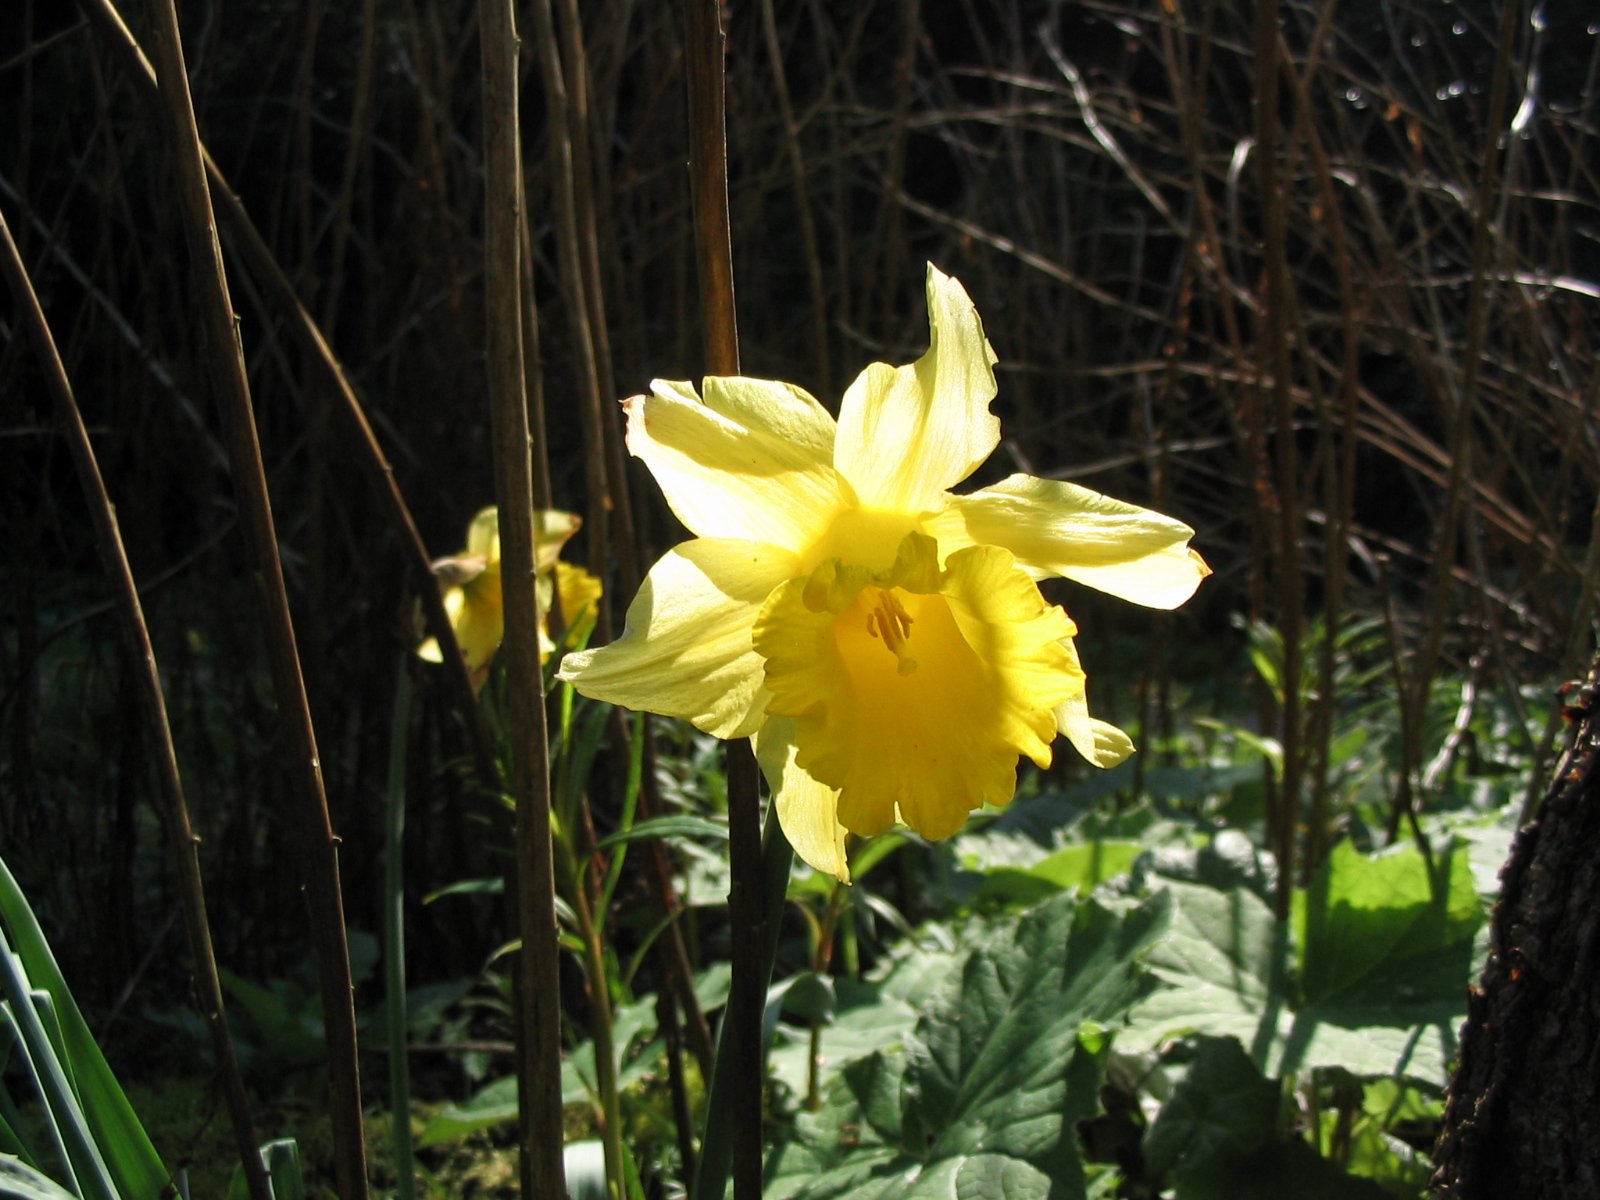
882,639
472,600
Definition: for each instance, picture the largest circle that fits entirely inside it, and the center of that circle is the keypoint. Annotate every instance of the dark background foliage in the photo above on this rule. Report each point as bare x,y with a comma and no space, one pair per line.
1089,171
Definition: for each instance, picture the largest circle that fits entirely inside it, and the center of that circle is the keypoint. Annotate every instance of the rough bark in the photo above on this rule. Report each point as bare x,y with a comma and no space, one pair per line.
1523,1109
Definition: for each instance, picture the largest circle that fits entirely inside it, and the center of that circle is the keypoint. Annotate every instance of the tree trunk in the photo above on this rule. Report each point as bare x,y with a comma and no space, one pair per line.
1522,1117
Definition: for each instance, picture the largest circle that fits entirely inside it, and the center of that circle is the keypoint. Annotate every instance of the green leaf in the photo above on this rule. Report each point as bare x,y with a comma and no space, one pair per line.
1379,987
1081,867
986,1097
1387,941
20,1181
493,1104
635,1046
117,1131
1380,1156
1223,1106
807,996
10,1118
281,1158
1221,960
1229,859
1286,1170
469,887
288,1020
868,1015
680,825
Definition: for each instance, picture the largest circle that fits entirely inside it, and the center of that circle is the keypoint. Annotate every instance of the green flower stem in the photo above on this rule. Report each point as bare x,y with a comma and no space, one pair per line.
821,959
605,1050
630,807
394,939
716,1146
590,902
601,1031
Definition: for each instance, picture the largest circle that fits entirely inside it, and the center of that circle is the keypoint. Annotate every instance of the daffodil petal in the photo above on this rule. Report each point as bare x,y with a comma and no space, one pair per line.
1057,528
580,594
914,692
452,599
483,535
908,434
787,412
1111,745
1100,742
686,649
752,461
458,569
552,529
478,619
475,615
808,811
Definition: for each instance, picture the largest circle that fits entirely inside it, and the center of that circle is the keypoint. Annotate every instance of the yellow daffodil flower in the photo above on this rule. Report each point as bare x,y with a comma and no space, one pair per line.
472,598
882,639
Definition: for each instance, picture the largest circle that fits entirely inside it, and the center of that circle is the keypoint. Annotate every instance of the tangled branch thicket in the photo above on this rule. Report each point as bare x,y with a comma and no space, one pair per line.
1409,429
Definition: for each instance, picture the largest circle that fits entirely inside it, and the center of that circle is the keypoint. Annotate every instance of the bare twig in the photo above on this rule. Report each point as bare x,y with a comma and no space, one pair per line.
319,845
174,810
539,1001
247,242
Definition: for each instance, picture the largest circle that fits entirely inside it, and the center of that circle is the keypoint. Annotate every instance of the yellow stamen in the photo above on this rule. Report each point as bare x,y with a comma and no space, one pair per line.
889,621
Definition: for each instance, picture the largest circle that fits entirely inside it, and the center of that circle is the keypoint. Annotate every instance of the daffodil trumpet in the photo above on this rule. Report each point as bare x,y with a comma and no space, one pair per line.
882,639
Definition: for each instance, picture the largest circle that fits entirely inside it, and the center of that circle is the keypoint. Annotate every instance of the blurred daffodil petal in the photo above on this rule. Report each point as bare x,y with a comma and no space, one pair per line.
552,530
578,594
883,639
472,597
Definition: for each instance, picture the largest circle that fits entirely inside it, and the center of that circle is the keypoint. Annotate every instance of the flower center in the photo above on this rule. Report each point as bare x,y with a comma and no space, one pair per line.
888,621
861,537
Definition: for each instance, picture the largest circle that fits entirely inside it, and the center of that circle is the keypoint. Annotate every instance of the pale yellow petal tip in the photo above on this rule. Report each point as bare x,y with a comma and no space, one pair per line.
1100,743
832,860
1111,745
1199,562
807,810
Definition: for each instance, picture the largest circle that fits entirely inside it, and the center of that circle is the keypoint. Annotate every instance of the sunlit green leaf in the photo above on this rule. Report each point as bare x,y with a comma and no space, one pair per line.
1081,868
1374,978
986,1096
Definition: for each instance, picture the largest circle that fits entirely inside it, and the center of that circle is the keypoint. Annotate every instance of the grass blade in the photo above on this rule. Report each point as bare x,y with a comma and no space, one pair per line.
135,1169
